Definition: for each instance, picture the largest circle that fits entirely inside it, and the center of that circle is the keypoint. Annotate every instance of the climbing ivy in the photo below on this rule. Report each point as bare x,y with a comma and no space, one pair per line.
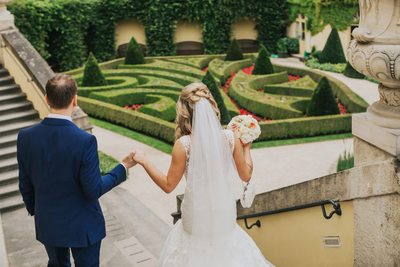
65,31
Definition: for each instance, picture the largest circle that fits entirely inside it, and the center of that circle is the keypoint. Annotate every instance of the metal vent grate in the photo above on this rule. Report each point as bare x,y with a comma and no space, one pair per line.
331,241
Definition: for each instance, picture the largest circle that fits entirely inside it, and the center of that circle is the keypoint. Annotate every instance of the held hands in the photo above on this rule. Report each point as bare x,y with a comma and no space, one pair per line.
139,156
129,160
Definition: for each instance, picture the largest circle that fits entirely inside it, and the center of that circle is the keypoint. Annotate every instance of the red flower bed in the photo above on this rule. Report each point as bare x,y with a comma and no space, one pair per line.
293,77
342,108
133,107
249,70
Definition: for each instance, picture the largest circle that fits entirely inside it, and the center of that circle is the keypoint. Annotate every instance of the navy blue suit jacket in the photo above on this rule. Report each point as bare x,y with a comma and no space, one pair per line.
60,182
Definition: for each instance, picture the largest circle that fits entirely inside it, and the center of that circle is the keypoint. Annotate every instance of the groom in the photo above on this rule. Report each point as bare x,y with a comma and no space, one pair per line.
60,180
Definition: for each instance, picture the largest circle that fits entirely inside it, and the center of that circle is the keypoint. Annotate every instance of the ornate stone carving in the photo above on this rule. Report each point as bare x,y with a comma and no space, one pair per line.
375,52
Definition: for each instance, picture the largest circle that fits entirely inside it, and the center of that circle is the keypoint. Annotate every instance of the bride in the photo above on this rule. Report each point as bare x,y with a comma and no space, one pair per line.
211,159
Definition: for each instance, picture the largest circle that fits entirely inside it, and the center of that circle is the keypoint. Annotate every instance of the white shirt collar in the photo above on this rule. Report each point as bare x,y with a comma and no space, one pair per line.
59,116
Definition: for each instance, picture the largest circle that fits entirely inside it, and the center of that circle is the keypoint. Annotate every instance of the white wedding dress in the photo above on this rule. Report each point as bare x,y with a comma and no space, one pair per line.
208,235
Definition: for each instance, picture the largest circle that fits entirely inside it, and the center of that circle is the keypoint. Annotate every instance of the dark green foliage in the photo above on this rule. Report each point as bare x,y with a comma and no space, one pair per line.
234,52
350,72
293,45
134,54
63,31
333,50
345,161
323,101
216,93
263,63
92,75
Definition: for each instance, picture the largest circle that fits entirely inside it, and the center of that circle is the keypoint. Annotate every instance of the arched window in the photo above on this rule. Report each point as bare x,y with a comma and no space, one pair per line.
246,34
124,31
188,38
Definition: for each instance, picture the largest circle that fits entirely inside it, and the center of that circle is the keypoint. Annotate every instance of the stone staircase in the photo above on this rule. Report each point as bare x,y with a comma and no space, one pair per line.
16,112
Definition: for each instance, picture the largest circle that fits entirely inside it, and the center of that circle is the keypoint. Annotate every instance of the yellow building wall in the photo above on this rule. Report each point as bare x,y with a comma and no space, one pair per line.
318,40
244,29
296,238
126,29
186,31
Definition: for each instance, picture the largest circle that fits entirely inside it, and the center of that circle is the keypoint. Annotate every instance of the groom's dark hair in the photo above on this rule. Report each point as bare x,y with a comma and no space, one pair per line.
60,91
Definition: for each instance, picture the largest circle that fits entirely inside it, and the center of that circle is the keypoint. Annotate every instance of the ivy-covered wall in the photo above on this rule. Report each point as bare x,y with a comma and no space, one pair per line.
65,31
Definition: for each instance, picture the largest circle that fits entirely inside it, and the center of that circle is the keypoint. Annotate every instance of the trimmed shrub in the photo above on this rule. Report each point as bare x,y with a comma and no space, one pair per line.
221,70
131,119
350,72
333,50
234,52
92,75
134,54
323,101
216,93
159,106
353,102
315,64
263,63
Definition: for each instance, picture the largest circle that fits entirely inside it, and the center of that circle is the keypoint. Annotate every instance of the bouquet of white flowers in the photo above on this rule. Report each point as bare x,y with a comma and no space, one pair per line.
245,127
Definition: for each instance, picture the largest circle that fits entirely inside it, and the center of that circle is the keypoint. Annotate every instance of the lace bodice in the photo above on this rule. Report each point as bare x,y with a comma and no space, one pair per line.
185,141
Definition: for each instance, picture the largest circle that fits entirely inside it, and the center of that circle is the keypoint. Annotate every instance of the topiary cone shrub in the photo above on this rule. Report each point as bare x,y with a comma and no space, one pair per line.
350,72
216,93
234,52
92,75
323,101
333,50
263,63
134,54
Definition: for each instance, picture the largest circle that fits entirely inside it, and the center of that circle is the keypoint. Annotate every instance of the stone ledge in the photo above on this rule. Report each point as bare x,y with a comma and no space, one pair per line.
362,182
384,138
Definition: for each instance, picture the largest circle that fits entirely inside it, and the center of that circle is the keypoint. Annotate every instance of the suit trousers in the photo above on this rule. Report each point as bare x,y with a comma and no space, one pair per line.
83,257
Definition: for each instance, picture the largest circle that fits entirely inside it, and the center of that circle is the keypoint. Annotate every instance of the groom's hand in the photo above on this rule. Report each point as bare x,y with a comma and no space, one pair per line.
129,161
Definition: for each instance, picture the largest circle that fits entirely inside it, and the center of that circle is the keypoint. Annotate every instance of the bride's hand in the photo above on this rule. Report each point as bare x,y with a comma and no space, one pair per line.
139,156
246,146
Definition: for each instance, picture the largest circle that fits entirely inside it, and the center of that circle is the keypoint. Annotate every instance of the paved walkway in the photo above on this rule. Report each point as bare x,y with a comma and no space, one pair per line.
366,89
135,235
273,167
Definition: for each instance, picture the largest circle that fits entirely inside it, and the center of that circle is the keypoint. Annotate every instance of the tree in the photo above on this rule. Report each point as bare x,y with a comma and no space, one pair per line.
333,50
92,75
350,72
323,101
208,80
134,54
234,52
263,63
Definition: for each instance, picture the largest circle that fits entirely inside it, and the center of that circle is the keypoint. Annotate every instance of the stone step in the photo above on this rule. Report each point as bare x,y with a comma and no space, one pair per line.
8,177
14,107
9,190
18,116
4,72
10,98
13,128
8,165
10,88
11,203
8,140
6,80
8,152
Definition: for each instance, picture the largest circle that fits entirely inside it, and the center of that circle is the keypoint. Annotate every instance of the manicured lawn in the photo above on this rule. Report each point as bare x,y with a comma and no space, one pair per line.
107,163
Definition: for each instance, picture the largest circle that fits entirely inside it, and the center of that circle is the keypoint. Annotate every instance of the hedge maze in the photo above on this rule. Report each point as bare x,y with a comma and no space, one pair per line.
154,87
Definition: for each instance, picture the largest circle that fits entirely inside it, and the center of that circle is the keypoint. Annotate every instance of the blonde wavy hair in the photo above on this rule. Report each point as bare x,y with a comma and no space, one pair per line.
185,106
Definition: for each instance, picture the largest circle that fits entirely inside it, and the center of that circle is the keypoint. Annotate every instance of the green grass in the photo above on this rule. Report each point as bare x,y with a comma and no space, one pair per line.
346,161
145,139
107,163
304,140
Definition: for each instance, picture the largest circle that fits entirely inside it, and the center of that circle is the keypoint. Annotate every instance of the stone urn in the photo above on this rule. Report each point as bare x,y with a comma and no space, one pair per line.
375,52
